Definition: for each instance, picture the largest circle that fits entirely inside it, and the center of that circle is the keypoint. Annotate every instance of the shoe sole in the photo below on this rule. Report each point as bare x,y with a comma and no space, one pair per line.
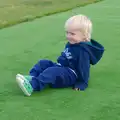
20,82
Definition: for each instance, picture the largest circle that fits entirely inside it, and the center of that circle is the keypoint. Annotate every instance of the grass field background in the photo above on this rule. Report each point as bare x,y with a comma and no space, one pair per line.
17,11
23,45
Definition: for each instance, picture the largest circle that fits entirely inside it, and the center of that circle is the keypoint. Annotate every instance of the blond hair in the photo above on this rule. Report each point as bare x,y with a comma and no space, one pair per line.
82,23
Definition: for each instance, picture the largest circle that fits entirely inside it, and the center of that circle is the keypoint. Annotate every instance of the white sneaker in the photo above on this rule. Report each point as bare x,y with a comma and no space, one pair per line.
24,84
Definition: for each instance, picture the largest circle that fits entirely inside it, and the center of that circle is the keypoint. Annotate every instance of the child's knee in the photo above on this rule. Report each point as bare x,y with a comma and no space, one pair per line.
53,71
45,63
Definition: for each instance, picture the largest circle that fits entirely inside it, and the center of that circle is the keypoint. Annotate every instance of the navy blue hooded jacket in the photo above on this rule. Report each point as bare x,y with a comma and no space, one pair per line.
78,57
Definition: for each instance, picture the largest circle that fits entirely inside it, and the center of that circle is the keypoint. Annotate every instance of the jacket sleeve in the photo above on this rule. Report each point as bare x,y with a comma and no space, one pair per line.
83,70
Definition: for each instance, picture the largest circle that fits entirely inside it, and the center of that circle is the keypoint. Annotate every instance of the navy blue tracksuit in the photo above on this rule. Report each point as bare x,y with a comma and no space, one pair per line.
72,68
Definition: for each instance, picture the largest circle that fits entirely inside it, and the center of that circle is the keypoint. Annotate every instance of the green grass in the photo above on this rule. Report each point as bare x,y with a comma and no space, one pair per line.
16,11
22,45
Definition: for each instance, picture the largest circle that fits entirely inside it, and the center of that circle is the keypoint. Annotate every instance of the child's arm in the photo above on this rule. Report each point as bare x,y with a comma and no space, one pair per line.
83,71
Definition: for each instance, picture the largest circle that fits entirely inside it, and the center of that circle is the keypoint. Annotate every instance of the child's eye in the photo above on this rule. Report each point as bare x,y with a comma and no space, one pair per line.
72,33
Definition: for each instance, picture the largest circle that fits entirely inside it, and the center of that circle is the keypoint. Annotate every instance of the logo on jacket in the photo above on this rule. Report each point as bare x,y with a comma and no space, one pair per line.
67,53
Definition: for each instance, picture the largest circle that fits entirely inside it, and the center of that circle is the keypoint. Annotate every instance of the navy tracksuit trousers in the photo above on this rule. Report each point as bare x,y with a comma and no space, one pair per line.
46,72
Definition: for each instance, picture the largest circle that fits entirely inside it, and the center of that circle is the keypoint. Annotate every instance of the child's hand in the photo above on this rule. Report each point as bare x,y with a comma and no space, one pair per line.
77,89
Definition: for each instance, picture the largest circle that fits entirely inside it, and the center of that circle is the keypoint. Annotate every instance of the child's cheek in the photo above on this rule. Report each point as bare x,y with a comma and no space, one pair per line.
75,38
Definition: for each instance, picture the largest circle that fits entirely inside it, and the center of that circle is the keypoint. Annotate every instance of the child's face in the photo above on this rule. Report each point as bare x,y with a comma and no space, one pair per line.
74,36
